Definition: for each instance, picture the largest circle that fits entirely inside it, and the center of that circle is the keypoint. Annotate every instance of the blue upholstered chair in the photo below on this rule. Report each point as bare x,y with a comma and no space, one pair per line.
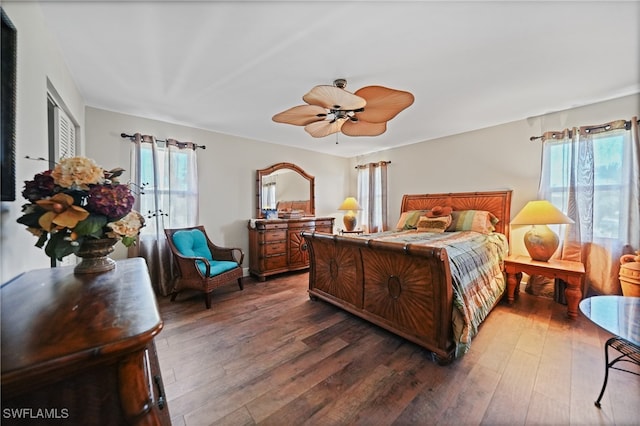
201,264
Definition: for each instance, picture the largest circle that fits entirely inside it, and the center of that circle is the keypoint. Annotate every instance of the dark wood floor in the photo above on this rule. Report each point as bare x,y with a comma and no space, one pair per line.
269,355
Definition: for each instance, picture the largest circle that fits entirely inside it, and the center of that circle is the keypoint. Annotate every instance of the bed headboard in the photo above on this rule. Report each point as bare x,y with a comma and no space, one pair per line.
496,202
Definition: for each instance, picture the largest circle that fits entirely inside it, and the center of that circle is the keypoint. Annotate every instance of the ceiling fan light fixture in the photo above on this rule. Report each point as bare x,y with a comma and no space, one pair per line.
332,109
340,83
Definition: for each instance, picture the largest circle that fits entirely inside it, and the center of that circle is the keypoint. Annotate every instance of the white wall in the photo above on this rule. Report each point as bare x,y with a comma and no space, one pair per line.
38,60
227,170
495,158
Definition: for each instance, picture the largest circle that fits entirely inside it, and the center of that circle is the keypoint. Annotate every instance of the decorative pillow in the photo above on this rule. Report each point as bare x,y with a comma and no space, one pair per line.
409,219
473,220
433,224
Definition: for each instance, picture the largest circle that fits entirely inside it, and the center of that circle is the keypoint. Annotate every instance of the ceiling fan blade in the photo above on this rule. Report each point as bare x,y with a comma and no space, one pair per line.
331,97
301,115
363,128
321,129
383,103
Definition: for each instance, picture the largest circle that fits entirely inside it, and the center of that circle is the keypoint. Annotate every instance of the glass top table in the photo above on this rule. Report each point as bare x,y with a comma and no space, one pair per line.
618,315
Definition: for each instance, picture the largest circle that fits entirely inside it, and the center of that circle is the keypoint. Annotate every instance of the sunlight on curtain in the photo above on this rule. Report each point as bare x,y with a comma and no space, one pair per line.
167,176
372,196
269,192
592,174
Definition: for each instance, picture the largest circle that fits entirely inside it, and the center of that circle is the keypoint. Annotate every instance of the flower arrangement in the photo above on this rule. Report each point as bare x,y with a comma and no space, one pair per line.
75,201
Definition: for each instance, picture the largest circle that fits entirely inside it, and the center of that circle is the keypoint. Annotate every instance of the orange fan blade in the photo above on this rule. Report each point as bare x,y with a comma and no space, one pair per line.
332,97
321,129
383,103
301,115
363,128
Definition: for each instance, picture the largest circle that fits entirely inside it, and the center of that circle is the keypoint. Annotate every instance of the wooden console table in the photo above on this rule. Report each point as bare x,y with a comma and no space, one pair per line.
78,349
566,270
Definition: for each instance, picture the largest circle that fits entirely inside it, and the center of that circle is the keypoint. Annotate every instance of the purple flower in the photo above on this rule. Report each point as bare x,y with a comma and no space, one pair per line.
42,186
113,201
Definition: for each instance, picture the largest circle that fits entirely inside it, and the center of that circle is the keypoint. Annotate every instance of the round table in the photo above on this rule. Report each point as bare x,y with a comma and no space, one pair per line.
620,316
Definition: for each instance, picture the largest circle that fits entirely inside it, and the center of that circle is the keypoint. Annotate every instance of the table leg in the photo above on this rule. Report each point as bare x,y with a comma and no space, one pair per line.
512,282
573,293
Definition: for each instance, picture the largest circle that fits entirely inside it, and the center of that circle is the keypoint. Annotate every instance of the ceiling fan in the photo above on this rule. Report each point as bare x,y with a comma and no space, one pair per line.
332,109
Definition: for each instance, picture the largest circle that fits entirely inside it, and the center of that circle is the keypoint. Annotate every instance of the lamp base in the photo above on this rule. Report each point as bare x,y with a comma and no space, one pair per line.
541,242
349,222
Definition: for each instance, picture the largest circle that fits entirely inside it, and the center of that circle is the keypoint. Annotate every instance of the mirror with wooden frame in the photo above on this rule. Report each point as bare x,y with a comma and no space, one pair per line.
285,188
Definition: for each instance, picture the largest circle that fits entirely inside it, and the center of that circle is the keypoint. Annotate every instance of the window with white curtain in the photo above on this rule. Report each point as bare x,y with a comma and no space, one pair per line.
269,193
166,174
591,174
609,189
174,183
372,196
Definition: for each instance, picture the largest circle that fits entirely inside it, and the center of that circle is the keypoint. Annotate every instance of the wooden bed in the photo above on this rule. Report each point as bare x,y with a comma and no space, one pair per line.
404,288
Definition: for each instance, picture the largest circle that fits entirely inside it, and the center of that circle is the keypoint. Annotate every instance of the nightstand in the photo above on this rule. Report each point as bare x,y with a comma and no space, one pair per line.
568,271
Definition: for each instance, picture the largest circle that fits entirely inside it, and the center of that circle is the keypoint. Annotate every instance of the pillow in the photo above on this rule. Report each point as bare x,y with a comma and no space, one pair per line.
433,224
473,220
409,219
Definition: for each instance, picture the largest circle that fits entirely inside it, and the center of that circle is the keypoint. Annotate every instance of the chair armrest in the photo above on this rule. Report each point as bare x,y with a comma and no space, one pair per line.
193,260
232,254
207,265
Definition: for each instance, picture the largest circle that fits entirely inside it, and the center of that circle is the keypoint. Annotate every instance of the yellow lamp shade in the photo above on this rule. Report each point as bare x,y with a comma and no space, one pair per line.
350,203
540,212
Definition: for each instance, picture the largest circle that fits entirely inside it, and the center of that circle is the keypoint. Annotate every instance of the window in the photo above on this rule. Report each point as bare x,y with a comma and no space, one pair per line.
167,174
591,173
607,178
372,195
174,182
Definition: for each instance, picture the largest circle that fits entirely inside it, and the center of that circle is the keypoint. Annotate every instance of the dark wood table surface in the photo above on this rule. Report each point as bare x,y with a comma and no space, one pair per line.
53,319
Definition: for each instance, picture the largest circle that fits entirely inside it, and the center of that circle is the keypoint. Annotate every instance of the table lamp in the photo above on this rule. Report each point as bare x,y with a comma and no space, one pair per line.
349,204
541,242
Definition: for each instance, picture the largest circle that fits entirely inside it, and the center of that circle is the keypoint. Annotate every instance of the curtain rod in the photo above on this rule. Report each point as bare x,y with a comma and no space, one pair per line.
131,137
379,163
627,126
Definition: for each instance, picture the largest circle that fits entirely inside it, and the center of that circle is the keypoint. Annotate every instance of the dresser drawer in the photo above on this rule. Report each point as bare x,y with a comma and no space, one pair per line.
275,262
277,235
270,226
275,248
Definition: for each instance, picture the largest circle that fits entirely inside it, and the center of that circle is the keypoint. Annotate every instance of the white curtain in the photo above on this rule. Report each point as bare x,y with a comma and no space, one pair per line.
269,193
166,173
592,174
372,196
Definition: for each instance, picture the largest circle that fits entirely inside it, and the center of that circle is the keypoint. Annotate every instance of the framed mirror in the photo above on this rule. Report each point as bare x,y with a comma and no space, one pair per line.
285,188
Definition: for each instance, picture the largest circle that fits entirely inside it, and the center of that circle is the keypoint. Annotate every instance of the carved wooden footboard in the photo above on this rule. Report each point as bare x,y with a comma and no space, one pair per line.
403,288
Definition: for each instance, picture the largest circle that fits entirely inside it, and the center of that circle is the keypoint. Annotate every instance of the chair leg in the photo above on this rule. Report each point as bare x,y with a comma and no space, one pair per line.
207,299
173,296
240,283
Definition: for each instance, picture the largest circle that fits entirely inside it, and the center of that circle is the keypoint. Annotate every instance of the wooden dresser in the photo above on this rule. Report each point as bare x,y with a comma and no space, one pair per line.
277,246
79,349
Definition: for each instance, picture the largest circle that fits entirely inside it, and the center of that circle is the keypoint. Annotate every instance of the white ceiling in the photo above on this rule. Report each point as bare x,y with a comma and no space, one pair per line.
230,66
